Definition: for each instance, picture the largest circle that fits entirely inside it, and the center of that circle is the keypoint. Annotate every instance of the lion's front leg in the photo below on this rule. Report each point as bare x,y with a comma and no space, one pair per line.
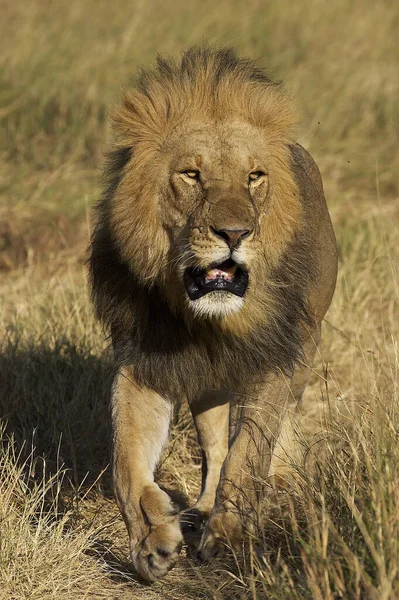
211,417
141,421
246,466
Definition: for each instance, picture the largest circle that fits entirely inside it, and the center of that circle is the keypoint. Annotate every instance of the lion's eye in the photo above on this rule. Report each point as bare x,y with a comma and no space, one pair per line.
191,174
255,176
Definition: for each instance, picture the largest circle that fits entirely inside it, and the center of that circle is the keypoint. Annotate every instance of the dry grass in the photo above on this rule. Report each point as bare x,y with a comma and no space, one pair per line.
334,532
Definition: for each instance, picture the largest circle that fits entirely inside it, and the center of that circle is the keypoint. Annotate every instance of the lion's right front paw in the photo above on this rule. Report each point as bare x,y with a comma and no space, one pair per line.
156,554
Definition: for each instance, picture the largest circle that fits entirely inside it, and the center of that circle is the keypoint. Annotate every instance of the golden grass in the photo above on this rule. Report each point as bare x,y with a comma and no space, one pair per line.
334,532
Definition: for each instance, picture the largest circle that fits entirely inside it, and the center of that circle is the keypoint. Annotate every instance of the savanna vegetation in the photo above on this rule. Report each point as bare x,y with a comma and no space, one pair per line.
332,527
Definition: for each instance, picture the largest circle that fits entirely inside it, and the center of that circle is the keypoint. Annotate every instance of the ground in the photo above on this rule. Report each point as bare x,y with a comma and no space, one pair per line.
331,529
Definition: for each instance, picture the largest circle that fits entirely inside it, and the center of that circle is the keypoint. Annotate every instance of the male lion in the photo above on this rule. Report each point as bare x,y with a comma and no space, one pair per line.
213,263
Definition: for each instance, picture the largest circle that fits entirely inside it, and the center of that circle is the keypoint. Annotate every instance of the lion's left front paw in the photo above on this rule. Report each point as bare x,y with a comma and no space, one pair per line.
223,531
156,554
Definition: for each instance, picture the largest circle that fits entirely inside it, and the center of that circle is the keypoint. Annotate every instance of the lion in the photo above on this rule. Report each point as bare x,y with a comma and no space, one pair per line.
212,263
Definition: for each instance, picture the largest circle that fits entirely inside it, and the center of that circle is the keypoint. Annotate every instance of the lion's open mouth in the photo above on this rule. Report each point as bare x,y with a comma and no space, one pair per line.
223,277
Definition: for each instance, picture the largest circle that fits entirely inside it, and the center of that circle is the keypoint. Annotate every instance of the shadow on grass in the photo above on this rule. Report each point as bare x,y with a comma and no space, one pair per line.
54,401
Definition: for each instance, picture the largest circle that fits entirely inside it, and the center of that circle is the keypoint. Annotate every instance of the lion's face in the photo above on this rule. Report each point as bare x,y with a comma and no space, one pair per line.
201,202
207,215
213,211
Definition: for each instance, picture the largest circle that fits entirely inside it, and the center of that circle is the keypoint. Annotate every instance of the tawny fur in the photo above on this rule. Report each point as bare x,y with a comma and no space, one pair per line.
222,116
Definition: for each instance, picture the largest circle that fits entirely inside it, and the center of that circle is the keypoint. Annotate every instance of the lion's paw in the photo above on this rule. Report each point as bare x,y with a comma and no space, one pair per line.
212,544
224,530
154,556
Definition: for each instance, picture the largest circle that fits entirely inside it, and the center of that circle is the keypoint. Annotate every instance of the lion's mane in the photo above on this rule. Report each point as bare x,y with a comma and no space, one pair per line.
167,353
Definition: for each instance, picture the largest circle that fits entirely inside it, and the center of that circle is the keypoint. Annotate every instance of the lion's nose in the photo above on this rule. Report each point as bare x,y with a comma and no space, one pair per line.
232,237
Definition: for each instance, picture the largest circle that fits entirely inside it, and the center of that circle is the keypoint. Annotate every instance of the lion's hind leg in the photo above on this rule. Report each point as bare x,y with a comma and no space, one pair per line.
289,449
141,419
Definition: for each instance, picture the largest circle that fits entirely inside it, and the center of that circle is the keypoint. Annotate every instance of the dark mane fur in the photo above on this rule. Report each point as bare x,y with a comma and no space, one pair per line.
180,362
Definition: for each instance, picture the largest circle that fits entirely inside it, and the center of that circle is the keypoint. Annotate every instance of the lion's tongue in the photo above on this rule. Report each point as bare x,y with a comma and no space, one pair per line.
221,272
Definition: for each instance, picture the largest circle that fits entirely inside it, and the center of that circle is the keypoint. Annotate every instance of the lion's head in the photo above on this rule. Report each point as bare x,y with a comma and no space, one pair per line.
202,202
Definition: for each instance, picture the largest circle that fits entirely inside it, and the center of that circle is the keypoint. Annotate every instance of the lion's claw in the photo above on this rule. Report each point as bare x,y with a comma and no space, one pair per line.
191,520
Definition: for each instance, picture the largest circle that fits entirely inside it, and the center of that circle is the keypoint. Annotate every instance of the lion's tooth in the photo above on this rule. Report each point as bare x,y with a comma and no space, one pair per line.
225,273
212,273
231,269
